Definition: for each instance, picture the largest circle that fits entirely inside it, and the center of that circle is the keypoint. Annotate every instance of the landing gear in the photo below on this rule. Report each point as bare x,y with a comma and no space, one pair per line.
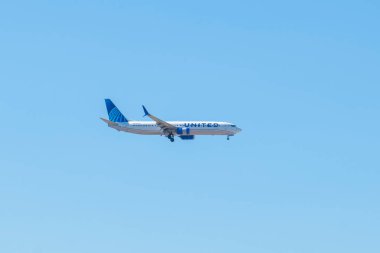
228,137
171,137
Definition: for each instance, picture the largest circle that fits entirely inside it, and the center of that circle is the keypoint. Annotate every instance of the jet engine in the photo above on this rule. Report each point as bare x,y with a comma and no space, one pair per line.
183,131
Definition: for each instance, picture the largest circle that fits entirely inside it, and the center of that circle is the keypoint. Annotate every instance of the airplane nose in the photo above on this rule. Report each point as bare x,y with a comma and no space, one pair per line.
238,130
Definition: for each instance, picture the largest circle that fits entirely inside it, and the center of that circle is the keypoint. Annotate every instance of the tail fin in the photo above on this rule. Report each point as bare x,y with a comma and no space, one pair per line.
114,114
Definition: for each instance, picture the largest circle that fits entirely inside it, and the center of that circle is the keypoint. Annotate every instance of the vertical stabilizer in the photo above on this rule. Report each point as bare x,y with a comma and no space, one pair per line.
114,114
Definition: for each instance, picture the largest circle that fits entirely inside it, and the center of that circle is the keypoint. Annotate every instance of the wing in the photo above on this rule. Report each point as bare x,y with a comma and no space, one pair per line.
166,127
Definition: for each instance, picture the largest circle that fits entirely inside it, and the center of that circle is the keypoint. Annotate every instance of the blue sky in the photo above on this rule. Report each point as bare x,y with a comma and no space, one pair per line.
301,78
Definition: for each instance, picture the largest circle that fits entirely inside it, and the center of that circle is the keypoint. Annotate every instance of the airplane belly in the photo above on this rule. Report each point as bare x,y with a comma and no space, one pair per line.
193,131
210,132
142,131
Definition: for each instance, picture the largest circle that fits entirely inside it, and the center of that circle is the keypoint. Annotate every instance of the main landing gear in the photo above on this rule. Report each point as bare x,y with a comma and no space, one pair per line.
171,137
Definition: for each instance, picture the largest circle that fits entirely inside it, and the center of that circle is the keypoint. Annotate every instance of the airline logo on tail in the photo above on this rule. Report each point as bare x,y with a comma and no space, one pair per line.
114,114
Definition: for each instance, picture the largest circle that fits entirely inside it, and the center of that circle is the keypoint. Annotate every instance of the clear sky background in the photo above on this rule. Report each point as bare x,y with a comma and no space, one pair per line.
301,78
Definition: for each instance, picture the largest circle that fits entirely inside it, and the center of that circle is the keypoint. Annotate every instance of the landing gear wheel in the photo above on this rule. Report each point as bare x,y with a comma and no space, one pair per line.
171,137
228,138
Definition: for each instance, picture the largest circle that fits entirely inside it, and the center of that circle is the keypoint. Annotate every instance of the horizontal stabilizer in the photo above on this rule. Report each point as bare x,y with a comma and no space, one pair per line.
110,123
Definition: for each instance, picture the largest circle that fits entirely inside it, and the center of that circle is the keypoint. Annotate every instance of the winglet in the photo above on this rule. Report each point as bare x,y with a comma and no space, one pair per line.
145,111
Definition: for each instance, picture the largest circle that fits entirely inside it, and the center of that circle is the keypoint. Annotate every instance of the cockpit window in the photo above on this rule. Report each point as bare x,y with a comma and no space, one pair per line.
233,125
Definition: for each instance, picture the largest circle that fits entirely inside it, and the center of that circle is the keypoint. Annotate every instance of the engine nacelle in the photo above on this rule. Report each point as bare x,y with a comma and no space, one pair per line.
187,137
183,131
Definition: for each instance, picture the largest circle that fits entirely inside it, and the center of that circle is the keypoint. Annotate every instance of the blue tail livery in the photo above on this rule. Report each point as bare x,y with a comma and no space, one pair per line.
114,114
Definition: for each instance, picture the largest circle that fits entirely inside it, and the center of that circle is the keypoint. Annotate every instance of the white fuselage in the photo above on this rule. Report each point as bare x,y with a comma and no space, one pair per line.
186,128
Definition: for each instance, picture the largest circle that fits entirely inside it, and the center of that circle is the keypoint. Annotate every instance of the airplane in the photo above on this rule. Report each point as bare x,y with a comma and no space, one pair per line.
186,130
